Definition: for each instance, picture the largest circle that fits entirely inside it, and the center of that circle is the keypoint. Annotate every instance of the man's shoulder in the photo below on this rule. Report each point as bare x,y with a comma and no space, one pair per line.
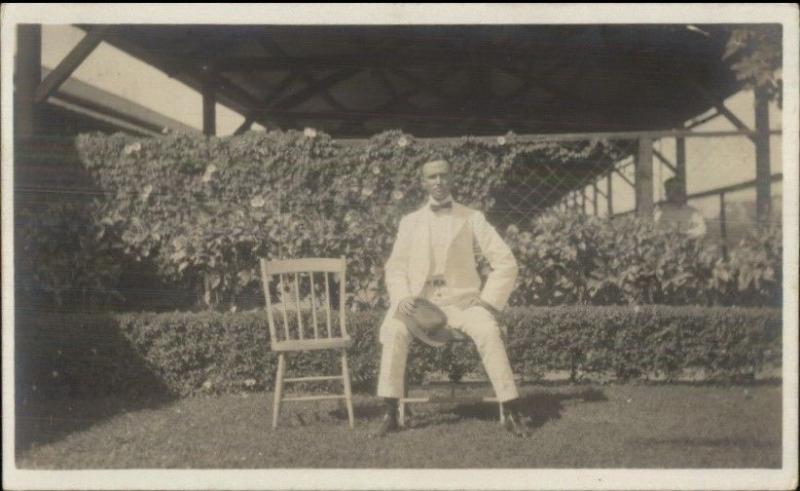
411,216
414,213
468,212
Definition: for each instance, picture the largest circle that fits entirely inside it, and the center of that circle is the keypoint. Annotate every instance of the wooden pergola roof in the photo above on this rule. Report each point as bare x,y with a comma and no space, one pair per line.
109,110
443,81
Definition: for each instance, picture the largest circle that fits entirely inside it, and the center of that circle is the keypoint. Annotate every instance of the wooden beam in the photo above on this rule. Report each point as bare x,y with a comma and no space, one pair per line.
383,79
398,99
719,105
644,178
763,199
594,198
227,93
602,135
598,190
609,195
313,89
430,87
209,110
107,116
734,187
384,112
191,75
665,161
70,62
28,76
698,122
680,163
362,61
502,111
738,123
245,126
589,106
279,89
274,48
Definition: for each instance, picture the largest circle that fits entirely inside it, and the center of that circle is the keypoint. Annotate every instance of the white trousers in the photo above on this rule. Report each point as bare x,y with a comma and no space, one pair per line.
477,323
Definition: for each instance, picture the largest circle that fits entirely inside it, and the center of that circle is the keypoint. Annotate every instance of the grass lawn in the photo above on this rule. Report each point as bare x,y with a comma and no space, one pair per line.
616,426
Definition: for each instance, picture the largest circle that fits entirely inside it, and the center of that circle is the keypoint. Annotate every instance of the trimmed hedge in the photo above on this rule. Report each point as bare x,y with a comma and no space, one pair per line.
188,353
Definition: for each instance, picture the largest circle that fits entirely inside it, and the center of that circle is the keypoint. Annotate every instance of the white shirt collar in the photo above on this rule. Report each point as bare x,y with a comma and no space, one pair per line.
432,200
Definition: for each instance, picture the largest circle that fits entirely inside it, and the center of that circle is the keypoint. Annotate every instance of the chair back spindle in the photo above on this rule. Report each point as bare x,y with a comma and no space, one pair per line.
294,284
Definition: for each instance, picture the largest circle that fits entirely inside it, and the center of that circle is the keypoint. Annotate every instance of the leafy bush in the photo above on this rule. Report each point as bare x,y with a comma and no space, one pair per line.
568,259
199,211
59,255
181,220
188,353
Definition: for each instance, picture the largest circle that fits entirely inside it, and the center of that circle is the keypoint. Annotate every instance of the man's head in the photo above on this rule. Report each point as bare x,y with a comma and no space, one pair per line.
674,192
436,179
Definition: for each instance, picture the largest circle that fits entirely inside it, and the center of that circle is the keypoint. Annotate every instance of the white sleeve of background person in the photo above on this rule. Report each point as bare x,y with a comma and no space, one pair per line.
500,282
698,225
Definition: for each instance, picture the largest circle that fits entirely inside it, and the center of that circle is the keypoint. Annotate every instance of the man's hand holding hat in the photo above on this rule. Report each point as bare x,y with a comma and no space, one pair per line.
407,306
426,321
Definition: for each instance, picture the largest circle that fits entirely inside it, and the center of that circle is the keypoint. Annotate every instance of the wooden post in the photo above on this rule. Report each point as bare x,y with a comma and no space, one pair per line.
680,163
609,195
28,78
762,156
583,200
594,197
723,227
644,178
209,110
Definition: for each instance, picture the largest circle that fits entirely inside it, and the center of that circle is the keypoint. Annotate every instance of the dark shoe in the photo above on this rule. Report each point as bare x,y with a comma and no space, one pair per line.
388,425
517,425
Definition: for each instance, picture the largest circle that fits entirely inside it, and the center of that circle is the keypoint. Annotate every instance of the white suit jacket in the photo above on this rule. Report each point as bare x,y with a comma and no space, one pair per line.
408,267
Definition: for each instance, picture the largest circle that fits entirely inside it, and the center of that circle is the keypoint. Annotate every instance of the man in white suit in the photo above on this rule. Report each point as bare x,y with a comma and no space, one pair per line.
433,257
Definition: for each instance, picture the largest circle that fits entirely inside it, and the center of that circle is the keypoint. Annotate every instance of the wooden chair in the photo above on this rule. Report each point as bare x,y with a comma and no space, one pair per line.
303,327
456,336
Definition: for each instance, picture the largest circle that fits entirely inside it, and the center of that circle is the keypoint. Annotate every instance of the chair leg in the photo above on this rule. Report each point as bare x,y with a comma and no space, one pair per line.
278,395
348,393
401,403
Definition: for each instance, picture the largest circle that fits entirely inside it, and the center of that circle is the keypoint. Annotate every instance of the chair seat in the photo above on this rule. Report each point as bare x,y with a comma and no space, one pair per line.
312,344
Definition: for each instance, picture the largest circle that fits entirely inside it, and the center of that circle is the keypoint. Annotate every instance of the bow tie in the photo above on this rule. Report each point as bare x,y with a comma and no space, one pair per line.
443,206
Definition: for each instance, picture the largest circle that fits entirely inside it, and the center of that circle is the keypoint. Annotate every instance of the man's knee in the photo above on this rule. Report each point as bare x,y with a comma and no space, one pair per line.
482,326
396,334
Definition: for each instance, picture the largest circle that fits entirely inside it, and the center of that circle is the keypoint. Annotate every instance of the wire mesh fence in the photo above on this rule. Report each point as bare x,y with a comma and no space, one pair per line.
718,175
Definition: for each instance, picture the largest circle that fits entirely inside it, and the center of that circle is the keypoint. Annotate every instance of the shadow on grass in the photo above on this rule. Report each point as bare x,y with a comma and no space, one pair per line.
73,371
48,421
539,407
